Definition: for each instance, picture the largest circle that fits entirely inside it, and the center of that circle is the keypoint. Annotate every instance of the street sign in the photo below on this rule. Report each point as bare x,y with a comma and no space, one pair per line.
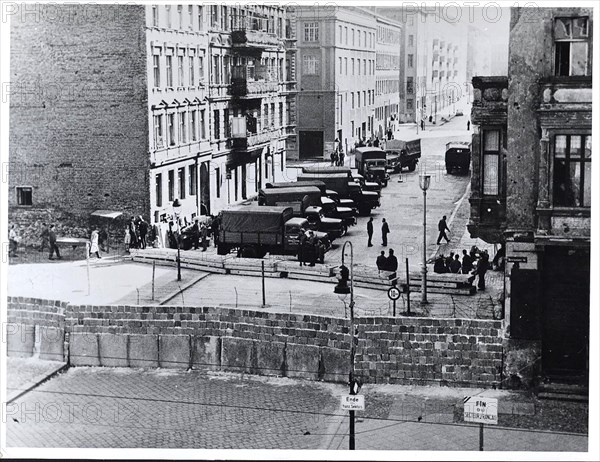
393,293
481,410
518,259
352,402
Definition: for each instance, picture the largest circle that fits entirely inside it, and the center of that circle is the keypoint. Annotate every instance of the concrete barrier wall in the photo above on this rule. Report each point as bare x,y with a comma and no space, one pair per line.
453,352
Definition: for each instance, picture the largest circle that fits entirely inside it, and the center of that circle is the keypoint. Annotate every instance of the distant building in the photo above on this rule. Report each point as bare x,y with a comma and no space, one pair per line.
531,188
146,105
336,78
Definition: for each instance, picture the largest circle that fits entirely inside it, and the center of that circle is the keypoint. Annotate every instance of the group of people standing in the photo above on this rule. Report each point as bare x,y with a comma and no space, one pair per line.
474,262
310,248
389,263
337,155
136,233
385,230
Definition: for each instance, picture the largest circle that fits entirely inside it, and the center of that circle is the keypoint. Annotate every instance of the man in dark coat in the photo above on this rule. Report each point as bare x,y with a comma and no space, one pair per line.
442,227
392,262
143,229
482,267
370,231
313,249
385,229
204,236
301,246
53,246
467,263
381,261
44,237
455,264
439,266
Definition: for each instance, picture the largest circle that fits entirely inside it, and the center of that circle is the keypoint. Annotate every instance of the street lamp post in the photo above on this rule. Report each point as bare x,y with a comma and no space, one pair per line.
176,211
424,181
343,290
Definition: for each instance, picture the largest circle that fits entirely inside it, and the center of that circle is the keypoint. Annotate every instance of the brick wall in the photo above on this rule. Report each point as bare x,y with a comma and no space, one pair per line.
450,352
78,114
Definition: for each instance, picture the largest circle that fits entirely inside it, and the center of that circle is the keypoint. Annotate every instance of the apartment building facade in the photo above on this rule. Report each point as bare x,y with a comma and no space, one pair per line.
531,188
194,109
388,75
336,75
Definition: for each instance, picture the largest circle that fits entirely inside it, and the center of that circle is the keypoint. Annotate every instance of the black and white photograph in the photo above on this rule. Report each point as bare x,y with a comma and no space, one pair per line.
301,230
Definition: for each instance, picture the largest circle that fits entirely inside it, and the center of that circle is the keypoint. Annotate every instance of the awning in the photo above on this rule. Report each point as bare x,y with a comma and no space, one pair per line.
106,214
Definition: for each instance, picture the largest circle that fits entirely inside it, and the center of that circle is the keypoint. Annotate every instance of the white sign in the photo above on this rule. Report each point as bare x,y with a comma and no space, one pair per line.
353,402
481,410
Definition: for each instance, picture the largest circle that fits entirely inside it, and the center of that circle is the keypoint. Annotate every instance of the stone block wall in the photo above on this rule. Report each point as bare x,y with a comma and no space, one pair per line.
451,352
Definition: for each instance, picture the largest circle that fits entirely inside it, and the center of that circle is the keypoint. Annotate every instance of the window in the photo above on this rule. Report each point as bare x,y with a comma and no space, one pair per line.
155,16
158,189
572,170
352,99
353,37
340,63
340,31
346,65
217,125
364,98
180,71
202,124
409,104
181,180
158,131
169,71
191,17
156,70
226,124
182,128
409,85
411,40
171,122
272,114
24,196
200,68
310,65
364,66
168,10
410,60
491,155
171,185
180,15
193,125
281,114
352,66
218,177
216,70
193,179
192,71
200,18
571,46
358,99
346,34
311,31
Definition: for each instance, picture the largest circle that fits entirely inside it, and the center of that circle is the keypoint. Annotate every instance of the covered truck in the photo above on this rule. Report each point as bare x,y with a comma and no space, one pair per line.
403,153
458,156
253,231
347,189
306,202
372,164
365,184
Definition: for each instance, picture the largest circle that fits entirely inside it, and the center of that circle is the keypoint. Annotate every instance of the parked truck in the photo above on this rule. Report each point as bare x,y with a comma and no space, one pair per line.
306,203
347,189
253,231
458,156
403,153
365,184
345,211
371,163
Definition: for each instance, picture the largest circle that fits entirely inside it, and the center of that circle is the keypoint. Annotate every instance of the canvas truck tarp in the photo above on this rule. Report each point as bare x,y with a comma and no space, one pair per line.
256,219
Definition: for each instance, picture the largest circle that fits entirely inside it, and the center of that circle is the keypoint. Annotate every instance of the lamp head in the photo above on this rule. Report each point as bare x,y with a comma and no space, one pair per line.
424,181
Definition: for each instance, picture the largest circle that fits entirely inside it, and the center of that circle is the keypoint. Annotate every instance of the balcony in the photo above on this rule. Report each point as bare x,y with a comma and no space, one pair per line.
249,38
490,101
255,140
253,88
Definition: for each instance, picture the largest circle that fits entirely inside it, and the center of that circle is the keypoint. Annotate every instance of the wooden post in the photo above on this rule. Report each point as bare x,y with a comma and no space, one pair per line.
407,289
262,271
87,261
481,437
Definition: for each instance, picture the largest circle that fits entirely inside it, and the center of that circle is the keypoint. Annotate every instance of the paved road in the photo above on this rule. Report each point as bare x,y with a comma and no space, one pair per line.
113,407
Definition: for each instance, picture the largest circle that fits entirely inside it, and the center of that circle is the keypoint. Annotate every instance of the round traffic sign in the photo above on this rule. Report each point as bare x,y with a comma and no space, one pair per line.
393,293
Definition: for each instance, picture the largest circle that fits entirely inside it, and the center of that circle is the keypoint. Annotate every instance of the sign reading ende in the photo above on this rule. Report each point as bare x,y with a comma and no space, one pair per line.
481,410
353,402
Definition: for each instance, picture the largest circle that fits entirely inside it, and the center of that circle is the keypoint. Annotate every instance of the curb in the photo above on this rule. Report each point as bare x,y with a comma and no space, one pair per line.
35,383
174,294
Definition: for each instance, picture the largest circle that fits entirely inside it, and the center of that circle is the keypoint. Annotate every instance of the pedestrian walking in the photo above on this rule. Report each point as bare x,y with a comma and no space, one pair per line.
455,264
385,229
422,125
214,227
143,230
94,247
391,261
127,239
467,263
13,241
133,233
468,125
381,261
53,246
312,245
482,267
44,237
370,232
442,227
341,162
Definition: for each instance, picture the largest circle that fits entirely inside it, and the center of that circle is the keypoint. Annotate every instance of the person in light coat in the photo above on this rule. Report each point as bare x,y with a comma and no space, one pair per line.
94,247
